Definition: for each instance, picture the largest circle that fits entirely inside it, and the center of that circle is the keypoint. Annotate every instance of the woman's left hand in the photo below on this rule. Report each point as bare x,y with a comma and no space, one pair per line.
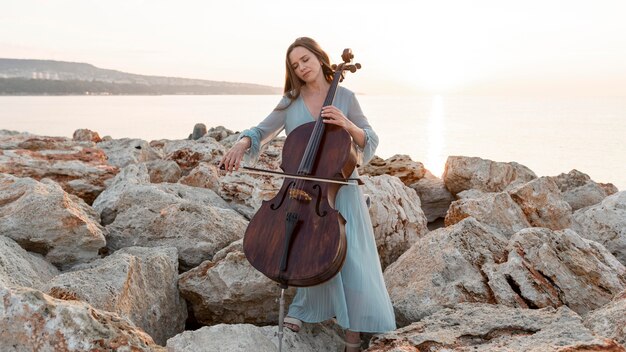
331,114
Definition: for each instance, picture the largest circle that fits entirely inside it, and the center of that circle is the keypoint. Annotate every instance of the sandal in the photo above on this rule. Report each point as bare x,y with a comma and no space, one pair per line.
351,345
292,324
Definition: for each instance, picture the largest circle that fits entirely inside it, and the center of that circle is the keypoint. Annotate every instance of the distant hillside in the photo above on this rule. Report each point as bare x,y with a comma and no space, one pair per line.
46,77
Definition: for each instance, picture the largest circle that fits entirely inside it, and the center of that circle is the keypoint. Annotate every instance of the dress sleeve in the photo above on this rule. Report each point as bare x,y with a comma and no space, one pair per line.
265,131
355,114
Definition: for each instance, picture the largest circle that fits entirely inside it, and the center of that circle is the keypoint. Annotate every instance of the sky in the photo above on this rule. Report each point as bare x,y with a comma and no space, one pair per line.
405,47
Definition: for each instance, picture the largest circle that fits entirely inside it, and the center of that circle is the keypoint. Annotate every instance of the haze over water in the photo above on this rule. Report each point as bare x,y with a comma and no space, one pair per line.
549,135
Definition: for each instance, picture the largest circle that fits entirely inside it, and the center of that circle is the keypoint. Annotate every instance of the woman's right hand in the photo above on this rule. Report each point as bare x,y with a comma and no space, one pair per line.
234,155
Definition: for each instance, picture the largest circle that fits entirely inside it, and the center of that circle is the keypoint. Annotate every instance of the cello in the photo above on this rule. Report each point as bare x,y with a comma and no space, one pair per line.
297,238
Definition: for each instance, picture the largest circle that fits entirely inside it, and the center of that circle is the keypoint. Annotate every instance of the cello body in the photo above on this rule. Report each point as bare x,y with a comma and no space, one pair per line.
317,247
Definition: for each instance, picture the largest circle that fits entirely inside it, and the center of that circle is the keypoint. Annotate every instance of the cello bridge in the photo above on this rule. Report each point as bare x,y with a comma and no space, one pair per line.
299,195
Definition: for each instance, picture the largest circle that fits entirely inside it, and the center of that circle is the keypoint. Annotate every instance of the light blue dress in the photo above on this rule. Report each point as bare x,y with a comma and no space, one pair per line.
357,296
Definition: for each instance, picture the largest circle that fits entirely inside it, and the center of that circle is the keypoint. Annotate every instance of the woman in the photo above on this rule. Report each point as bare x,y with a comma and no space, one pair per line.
357,296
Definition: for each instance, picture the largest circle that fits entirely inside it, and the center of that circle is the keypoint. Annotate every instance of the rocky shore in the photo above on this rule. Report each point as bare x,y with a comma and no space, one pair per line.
129,245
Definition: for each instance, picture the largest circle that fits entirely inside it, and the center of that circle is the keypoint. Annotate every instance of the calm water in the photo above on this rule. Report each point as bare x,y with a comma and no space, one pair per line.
550,136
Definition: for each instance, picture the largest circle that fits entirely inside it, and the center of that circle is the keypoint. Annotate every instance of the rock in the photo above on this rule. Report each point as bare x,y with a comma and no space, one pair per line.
553,268
85,135
220,133
199,130
246,337
497,210
21,268
245,192
204,175
44,219
444,268
484,327
163,171
396,215
188,154
401,166
605,223
229,290
33,321
579,190
610,320
543,204
79,167
462,173
194,220
434,196
126,151
137,283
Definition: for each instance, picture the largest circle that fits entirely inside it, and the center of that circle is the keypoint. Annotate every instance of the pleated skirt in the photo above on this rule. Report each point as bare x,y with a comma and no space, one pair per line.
356,296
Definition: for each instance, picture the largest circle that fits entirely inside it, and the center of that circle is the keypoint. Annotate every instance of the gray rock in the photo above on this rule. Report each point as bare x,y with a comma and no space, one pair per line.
497,210
199,130
396,215
605,223
444,268
543,204
33,321
44,219
163,171
21,268
434,196
126,151
246,337
610,319
553,268
194,220
484,327
229,290
462,173
137,283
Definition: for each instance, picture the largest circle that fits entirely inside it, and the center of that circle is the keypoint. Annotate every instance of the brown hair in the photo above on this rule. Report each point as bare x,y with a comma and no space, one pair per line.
293,84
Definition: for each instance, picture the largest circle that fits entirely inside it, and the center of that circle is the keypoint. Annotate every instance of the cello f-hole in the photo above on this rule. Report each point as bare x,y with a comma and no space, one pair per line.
282,200
319,201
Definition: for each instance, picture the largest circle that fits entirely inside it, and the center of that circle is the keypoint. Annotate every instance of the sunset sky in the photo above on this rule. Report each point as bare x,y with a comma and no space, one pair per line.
404,46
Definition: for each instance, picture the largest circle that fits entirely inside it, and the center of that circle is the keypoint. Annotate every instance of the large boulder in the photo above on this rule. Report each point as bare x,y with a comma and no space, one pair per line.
462,173
21,268
543,204
444,268
229,290
397,218
137,283
194,220
610,319
605,223
497,210
189,153
163,171
553,268
483,328
580,191
126,151
44,219
401,166
246,337
33,321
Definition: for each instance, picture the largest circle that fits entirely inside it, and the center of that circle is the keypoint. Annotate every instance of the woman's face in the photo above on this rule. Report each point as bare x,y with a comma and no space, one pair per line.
305,64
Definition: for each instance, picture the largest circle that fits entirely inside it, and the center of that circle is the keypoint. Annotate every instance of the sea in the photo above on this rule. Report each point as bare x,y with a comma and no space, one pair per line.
549,135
